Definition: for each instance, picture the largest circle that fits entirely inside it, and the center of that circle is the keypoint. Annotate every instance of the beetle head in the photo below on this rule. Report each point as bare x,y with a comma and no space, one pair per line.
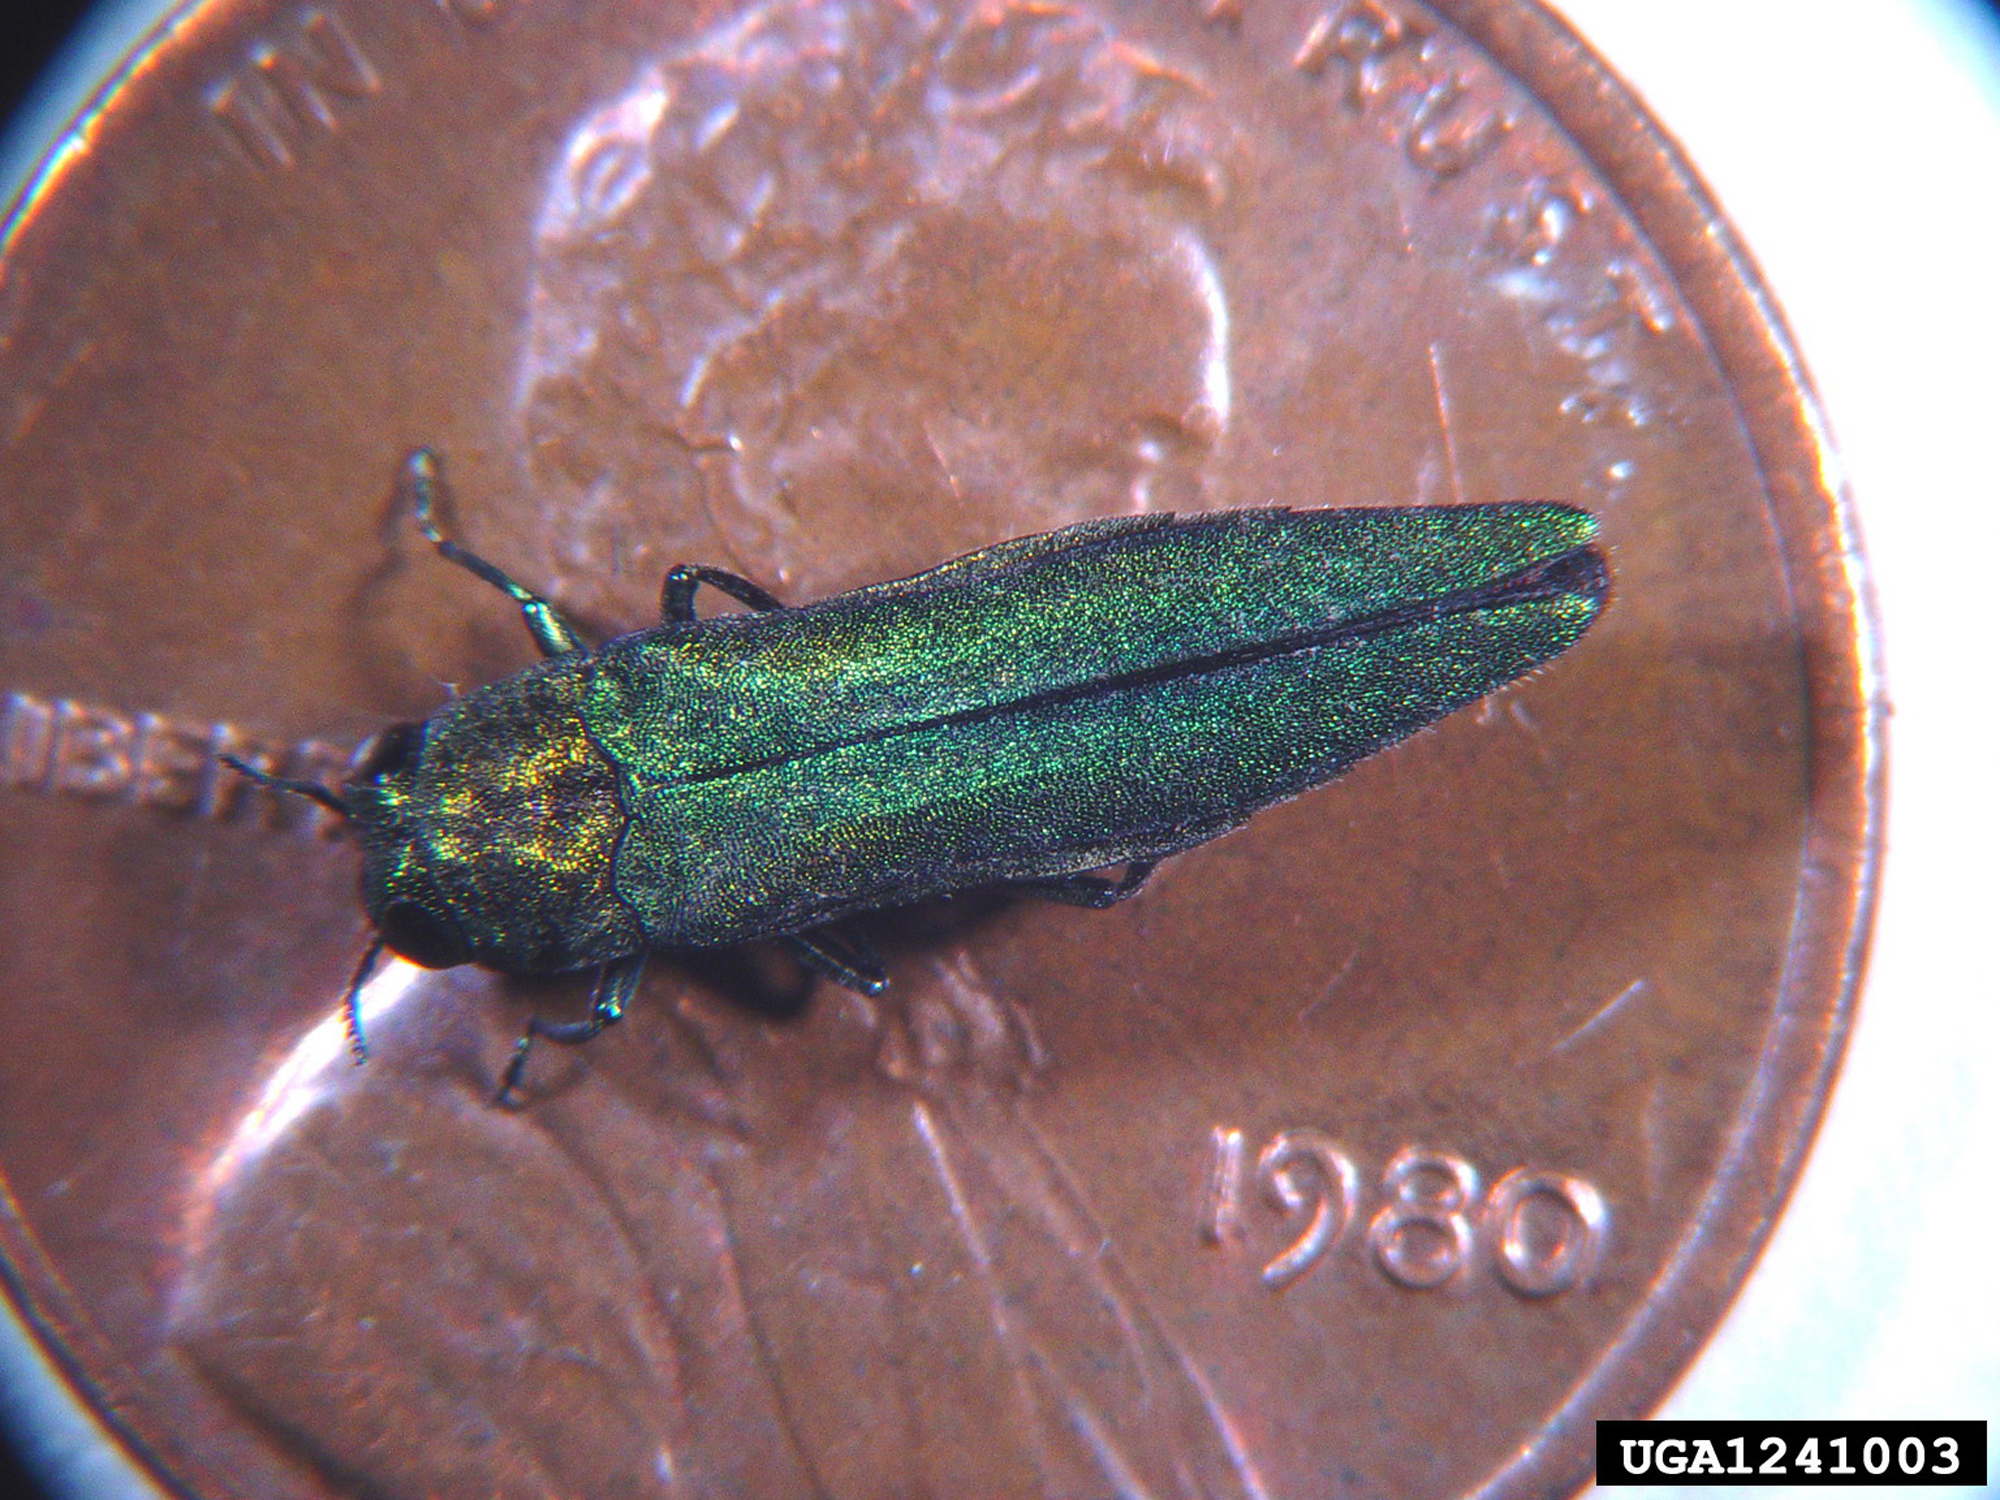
398,886
489,833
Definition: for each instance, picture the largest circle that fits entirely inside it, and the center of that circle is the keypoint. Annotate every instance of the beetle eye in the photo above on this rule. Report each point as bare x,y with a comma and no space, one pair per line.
422,936
390,751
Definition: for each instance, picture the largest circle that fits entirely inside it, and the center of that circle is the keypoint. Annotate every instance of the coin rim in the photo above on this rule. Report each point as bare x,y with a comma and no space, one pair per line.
1846,713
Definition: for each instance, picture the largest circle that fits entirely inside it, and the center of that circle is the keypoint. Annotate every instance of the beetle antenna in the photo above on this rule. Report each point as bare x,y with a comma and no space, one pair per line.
356,1042
312,789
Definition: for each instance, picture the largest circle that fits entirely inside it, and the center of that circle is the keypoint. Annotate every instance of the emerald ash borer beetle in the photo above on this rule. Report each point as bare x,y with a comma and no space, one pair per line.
1100,696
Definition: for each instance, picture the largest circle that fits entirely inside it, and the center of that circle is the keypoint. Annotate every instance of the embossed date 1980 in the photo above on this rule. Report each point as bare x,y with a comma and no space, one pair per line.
1537,1232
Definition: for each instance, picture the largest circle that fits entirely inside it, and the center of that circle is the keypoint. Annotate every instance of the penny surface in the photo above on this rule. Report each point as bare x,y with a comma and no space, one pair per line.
1377,1149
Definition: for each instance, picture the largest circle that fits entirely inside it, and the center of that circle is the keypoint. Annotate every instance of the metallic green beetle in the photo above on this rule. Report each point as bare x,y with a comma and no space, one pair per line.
1103,695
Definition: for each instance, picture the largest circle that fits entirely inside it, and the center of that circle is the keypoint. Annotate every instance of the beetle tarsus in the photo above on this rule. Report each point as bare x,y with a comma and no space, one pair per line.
616,984
677,591
1093,891
841,955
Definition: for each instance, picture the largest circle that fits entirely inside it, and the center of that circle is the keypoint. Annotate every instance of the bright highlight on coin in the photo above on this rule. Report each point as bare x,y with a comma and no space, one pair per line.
1381,1147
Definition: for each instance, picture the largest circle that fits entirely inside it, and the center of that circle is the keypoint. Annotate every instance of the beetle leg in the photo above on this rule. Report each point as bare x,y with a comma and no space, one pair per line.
842,955
1093,891
677,591
555,635
616,984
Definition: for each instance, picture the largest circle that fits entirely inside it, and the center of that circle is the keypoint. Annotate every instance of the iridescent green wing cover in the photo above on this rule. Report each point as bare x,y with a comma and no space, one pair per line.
1058,703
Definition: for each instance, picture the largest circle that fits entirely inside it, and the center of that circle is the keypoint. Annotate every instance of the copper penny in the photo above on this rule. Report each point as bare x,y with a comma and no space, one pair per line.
1378,1149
